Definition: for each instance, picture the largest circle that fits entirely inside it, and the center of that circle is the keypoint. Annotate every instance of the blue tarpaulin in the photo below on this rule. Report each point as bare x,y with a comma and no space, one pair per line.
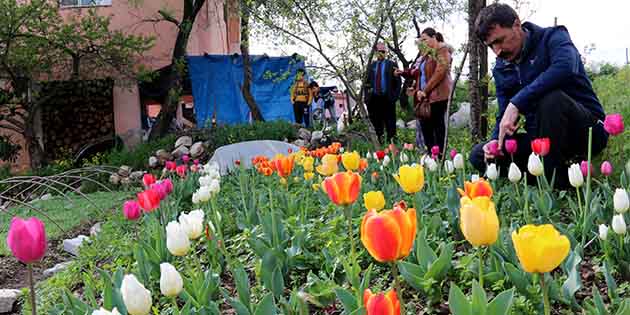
217,79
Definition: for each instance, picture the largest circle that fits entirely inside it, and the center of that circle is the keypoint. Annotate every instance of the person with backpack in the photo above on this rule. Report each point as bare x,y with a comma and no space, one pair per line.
301,98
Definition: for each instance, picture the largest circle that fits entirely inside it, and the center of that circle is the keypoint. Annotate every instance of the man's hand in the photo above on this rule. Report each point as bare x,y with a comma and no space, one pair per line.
420,95
508,125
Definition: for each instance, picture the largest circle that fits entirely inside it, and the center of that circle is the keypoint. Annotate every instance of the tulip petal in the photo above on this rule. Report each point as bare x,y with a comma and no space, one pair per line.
407,225
380,304
381,236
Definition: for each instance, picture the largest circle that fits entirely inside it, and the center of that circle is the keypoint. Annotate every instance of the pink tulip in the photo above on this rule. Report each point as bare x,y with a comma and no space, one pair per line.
584,167
408,146
185,158
27,239
614,124
170,165
181,171
435,150
194,168
606,168
160,189
168,185
511,146
493,146
196,162
453,154
148,179
131,210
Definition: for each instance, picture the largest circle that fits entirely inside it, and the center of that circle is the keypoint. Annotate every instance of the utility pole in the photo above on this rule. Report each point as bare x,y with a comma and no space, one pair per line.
627,60
555,21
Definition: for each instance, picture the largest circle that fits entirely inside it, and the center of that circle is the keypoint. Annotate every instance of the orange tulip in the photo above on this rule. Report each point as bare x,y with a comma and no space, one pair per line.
381,304
388,235
283,165
363,164
342,188
479,188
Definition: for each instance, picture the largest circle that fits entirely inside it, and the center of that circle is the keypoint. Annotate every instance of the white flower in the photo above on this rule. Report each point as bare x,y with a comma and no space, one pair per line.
136,297
514,174
618,224
620,200
342,150
431,164
449,167
192,223
368,155
603,232
386,160
171,282
103,311
492,172
212,170
205,180
458,161
214,186
575,175
404,158
534,165
474,177
204,193
177,241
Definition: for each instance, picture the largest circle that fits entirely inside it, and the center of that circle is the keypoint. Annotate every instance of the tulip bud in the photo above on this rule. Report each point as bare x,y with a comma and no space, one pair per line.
613,124
27,239
171,282
136,297
374,200
453,154
458,161
620,200
511,146
185,158
386,160
103,311
603,232
435,151
192,223
585,167
177,241
131,210
514,174
618,224
449,167
492,172
148,180
534,165
430,164
404,158
575,176
606,168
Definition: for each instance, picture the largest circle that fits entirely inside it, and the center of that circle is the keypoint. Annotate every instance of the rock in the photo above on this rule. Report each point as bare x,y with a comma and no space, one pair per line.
95,229
124,171
300,143
125,181
411,124
153,162
180,151
7,299
400,124
461,118
57,268
197,150
304,134
72,245
316,136
244,151
163,155
114,179
183,141
137,175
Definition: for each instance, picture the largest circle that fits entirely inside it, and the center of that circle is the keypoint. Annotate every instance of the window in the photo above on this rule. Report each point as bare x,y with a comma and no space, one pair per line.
83,3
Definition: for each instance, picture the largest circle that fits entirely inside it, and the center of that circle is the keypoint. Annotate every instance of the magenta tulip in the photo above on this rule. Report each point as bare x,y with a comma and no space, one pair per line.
493,146
160,188
27,239
606,168
196,162
453,154
170,165
131,210
185,158
584,167
168,184
511,146
614,124
435,150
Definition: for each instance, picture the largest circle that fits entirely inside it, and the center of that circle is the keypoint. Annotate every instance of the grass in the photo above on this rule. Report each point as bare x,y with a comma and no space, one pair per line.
68,214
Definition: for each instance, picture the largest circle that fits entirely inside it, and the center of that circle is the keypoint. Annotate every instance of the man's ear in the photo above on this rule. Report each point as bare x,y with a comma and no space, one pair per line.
517,23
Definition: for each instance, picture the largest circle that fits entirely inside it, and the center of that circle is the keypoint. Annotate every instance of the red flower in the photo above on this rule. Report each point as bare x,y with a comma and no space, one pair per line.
148,179
614,124
131,210
149,200
181,171
170,165
380,154
237,162
541,146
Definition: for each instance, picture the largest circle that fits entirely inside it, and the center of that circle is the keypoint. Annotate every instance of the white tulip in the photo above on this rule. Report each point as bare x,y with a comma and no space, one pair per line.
618,224
474,177
386,160
171,282
492,172
603,232
136,297
514,174
205,180
575,175
458,161
449,167
192,223
215,186
103,311
177,241
431,164
620,200
404,158
204,193
534,165
368,155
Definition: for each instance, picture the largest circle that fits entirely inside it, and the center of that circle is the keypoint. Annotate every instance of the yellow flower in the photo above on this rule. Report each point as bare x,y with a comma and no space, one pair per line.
410,178
478,221
298,157
540,248
329,165
351,160
374,200
308,175
307,163
316,187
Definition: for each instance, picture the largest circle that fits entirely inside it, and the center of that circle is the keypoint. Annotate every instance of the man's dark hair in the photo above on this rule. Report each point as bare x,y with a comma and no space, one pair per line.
496,14
313,84
431,32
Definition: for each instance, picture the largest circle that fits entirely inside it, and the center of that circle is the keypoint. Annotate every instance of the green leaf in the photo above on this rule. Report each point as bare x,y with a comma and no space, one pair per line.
238,306
610,282
424,254
266,306
624,308
242,285
479,299
411,274
457,301
573,282
440,267
359,311
348,300
277,284
599,303
501,303
518,277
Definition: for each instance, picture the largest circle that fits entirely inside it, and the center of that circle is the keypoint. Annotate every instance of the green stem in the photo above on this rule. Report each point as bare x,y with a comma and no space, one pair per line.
176,312
582,214
348,212
31,283
480,254
621,243
587,198
397,287
545,295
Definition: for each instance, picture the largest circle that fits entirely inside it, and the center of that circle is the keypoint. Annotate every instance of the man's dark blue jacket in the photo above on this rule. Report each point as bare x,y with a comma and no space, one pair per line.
549,61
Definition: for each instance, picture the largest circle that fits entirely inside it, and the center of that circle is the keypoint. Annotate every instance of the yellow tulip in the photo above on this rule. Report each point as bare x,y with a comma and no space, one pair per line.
308,175
351,160
410,178
374,200
329,165
478,221
307,164
540,248
316,187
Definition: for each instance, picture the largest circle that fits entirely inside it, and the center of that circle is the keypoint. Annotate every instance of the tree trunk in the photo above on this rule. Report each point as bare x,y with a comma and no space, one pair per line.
477,81
247,68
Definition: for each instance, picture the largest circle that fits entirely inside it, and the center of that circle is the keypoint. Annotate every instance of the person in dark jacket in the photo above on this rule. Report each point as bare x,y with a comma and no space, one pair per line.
539,75
381,93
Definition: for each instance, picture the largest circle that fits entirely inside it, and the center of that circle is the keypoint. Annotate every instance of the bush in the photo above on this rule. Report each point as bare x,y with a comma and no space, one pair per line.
272,130
138,157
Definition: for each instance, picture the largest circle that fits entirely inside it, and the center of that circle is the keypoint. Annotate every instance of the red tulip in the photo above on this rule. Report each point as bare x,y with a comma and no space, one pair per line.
435,150
541,146
170,165
453,153
343,188
185,158
614,124
606,168
131,210
148,180
380,154
511,146
149,200
181,171
381,304
584,167
237,162
27,239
